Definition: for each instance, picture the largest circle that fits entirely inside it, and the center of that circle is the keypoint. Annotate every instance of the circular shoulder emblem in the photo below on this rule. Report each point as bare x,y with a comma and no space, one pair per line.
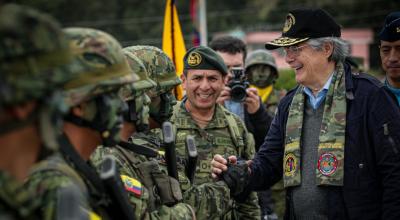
194,59
327,164
290,21
290,164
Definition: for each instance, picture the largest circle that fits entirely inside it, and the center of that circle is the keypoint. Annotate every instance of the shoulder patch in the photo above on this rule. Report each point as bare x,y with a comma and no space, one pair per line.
132,185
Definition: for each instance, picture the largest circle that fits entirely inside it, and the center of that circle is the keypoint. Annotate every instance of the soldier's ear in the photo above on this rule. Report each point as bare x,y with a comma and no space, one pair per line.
183,78
23,111
78,110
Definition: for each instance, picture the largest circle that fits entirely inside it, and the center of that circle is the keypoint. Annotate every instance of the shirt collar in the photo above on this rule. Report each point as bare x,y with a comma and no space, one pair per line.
324,88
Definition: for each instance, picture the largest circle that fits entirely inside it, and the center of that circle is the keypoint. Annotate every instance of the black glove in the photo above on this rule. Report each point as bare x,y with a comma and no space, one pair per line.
236,177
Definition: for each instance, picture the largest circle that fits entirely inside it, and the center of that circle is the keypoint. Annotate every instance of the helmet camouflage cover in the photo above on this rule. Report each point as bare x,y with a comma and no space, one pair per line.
159,67
139,70
260,57
33,54
99,67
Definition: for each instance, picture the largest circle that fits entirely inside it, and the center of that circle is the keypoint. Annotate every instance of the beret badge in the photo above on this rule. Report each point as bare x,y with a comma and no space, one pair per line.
194,59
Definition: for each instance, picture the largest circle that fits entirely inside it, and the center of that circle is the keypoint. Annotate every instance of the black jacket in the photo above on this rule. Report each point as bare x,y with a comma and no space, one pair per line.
371,187
258,124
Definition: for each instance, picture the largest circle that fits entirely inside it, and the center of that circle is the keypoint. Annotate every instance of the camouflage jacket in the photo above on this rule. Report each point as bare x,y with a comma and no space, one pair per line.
209,200
16,202
225,134
56,185
151,192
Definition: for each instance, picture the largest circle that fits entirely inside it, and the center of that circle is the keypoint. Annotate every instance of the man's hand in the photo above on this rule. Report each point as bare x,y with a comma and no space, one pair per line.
224,95
219,165
252,100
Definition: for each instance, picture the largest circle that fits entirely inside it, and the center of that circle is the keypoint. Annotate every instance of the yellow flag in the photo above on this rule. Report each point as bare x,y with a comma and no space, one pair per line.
173,44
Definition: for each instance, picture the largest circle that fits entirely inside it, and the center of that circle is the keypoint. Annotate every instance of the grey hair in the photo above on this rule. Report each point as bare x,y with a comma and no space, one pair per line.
341,49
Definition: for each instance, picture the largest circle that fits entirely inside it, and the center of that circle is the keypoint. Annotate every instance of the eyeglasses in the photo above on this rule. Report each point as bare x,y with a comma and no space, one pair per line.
293,51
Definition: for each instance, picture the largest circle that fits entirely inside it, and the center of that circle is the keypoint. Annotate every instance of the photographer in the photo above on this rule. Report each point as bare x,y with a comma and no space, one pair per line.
251,111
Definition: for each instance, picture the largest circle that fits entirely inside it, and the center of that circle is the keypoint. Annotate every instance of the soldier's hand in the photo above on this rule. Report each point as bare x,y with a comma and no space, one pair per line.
224,95
252,100
220,164
237,177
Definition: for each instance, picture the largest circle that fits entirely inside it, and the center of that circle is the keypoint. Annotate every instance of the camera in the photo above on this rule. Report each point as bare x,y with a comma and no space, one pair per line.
238,85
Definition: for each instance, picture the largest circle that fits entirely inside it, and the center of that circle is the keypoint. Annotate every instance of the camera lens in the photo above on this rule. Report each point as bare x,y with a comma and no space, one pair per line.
238,93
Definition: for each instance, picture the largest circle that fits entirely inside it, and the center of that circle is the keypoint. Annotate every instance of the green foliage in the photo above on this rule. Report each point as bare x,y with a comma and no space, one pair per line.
286,79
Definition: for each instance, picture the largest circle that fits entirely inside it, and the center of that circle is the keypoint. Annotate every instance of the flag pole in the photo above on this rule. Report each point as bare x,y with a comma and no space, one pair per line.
203,22
172,4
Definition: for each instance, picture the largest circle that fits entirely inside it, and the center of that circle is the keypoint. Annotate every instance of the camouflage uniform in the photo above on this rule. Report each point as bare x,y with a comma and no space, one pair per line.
15,201
225,134
139,171
209,200
150,172
270,97
98,71
33,52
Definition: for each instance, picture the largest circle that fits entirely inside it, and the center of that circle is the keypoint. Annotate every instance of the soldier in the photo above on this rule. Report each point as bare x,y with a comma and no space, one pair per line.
136,118
33,50
216,130
95,118
138,168
161,70
138,163
390,52
262,73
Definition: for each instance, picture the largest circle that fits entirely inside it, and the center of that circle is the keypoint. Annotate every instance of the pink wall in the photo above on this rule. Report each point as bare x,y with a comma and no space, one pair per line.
359,40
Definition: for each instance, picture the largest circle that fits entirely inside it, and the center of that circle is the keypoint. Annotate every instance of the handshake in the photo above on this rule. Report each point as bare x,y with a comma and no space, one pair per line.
235,173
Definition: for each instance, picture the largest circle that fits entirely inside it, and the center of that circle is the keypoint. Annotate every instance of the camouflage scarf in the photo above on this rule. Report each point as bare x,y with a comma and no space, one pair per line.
331,138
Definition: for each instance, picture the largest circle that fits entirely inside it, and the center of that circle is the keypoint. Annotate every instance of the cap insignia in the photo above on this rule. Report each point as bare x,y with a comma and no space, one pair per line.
290,21
194,59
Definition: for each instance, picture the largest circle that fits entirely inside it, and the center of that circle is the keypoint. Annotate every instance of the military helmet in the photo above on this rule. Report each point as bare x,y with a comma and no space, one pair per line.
159,67
99,66
260,57
33,52
143,83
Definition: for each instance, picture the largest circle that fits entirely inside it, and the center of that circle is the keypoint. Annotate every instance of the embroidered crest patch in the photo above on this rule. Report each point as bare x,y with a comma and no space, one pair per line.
327,164
290,164
194,59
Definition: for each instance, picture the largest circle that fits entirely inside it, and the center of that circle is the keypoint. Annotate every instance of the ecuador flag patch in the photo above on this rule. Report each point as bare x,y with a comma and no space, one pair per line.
132,185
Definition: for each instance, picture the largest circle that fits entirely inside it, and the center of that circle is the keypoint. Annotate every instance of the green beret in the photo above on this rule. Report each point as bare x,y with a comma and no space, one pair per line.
204,58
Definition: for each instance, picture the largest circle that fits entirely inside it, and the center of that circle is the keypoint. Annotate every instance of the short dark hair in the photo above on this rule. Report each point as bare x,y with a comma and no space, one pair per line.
229,44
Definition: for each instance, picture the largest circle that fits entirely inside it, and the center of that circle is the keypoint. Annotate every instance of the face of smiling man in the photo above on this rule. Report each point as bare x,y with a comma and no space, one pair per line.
311,66
202,88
